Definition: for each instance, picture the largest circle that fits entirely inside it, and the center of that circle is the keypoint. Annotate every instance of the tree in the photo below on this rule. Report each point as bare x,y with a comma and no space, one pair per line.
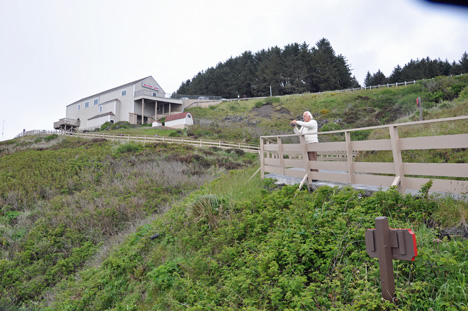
395,76
379,78
368,80
326,70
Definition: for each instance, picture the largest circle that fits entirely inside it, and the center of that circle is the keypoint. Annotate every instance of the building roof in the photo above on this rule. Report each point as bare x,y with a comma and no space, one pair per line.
178,116
102,115
112,89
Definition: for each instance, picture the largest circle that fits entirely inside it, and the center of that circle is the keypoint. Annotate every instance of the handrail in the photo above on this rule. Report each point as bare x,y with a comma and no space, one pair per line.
186,141
149,139
376,127
338,161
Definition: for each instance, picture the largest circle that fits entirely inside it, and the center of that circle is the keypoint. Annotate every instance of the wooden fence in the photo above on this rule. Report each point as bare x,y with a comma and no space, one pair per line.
338,161
171,140
149,139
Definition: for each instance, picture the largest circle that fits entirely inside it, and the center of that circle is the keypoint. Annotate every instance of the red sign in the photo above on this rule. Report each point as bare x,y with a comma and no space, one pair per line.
149,86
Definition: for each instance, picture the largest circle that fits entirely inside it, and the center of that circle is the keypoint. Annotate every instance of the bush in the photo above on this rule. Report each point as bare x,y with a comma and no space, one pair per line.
464,93
331,127
129,147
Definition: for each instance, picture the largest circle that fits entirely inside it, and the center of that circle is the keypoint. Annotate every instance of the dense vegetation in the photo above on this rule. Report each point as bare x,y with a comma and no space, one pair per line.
298,68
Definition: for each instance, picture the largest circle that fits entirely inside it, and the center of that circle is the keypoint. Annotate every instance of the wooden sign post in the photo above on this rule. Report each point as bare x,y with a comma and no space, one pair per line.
419,104
387,244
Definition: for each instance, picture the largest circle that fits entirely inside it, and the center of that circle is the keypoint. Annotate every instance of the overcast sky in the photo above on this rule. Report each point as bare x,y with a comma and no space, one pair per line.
55,52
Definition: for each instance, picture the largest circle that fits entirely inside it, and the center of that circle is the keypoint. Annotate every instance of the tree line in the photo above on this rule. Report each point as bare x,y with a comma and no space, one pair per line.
298,68
425,68
294,69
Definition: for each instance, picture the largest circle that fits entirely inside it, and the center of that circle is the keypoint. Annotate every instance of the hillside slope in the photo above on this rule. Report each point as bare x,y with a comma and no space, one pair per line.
237,245
65,200
96,225
247,120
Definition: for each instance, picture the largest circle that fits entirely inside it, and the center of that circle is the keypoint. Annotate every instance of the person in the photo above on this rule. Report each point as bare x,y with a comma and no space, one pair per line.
308,126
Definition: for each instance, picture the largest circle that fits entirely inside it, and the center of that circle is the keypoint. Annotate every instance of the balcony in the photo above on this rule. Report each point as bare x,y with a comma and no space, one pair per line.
67,124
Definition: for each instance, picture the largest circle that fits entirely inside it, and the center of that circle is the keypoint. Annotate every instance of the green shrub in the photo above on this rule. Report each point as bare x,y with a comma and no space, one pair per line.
331,127
51,137
464,93
129,147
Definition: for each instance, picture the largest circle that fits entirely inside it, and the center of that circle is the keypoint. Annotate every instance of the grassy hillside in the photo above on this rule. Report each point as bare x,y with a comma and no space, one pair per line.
247,120
65,200
96,225
91,225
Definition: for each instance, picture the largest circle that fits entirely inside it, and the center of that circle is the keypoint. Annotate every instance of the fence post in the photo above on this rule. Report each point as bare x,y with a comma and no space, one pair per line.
397,160
349,152
262,158
281,156
305,156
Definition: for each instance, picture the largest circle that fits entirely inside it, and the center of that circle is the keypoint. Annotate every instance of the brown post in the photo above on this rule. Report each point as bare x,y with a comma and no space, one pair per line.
420,109
384,251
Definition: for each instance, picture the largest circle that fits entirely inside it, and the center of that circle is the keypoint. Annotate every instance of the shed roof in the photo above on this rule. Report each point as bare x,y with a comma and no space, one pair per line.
178,116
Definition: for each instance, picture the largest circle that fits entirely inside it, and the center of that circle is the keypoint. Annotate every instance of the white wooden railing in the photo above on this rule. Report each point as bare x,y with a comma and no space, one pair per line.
337,160
149,139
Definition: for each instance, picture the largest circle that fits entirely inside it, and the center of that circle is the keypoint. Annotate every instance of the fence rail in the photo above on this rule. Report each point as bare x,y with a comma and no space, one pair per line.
337,160
149,139
171,140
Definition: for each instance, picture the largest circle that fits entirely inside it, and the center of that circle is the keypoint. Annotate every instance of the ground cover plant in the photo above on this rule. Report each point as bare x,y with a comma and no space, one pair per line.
62,204
271,248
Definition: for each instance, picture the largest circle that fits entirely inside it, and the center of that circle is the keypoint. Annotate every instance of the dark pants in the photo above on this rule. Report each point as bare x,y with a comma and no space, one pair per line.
312,157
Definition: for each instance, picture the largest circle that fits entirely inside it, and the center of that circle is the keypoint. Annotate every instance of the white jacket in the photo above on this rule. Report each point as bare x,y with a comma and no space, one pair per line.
308,128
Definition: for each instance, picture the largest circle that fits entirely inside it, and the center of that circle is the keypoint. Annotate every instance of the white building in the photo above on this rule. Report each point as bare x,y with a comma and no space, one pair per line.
138,102
180,120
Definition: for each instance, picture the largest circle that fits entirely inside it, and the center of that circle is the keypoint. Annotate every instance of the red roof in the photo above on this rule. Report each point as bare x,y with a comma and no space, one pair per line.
178,116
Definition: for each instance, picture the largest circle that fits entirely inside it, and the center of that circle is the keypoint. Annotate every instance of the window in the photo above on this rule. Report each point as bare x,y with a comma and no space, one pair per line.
86,105
96,101
124,92
100,108
79,107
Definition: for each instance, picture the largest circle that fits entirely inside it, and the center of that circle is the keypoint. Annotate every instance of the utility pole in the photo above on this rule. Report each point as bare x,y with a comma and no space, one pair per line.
3,128
271,94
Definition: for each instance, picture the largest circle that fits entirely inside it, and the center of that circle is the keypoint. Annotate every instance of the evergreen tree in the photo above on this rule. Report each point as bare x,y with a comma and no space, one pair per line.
464,63
379,78
368,80
294,69
396,75
326,71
